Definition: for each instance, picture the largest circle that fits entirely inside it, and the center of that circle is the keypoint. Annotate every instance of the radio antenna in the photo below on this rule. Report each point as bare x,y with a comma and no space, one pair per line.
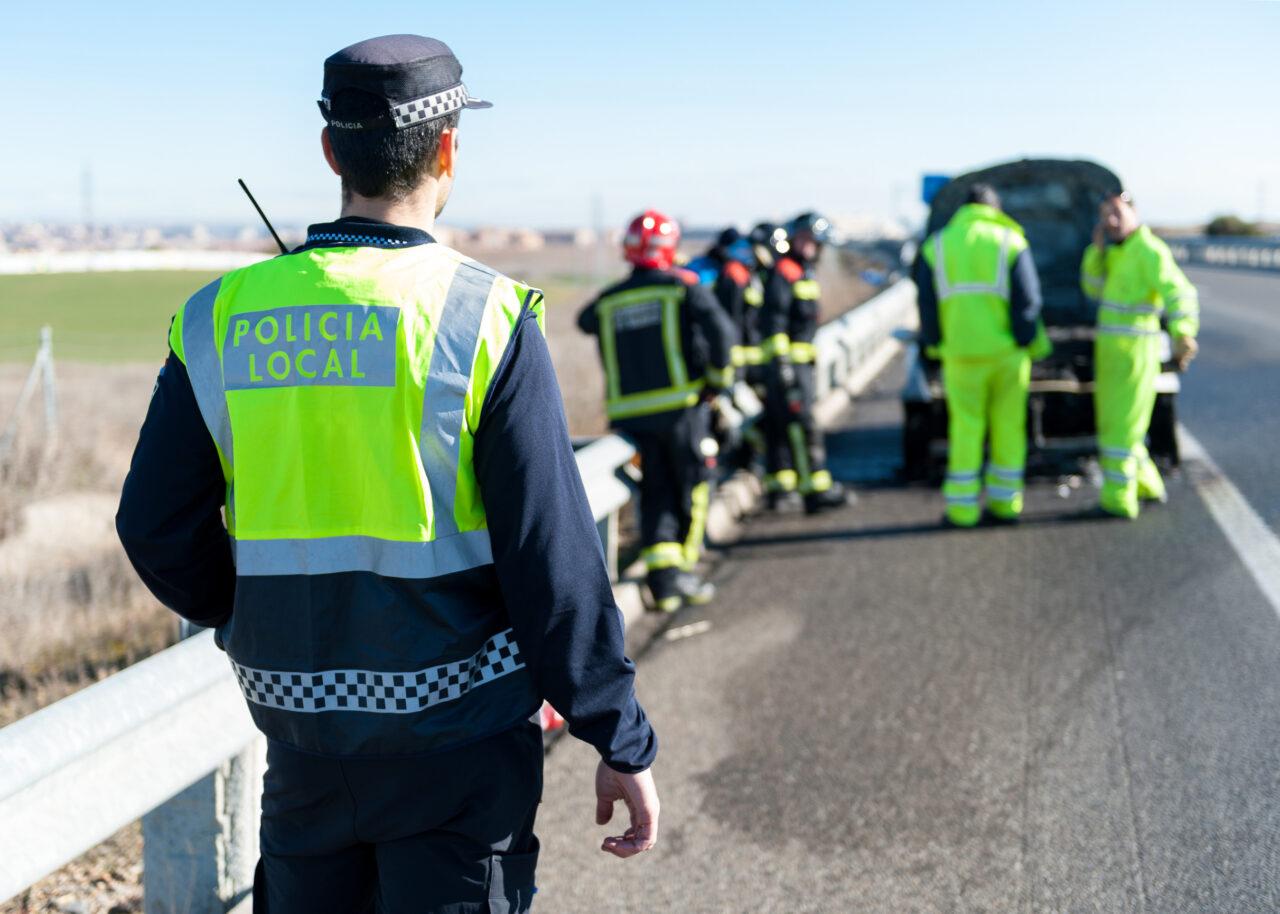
267,222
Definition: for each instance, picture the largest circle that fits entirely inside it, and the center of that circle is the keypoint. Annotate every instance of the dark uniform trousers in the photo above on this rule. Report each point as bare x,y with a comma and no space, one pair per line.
791,432
447,833
673,466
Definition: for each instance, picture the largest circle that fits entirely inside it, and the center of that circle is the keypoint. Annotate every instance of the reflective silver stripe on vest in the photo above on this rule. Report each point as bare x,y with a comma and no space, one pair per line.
1000,287
389,558
1119,308
445,393
204,366
380,692
1121,330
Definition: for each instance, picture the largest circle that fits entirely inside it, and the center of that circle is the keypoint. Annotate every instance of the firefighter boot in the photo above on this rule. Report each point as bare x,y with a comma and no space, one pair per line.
834,496
663,588
693,590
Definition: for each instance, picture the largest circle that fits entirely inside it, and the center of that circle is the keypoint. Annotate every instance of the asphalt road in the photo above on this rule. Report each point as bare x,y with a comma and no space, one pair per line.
883,716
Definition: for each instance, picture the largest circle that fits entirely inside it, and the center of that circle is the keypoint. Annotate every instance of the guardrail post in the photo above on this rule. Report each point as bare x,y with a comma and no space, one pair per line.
200,848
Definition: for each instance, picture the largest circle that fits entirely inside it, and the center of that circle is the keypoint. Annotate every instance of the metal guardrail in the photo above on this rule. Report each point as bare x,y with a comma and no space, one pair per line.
1241,253
170,739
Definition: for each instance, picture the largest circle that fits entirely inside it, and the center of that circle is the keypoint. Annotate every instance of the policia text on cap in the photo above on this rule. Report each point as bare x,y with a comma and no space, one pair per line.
408,565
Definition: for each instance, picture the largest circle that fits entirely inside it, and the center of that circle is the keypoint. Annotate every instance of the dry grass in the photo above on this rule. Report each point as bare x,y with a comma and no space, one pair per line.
71,608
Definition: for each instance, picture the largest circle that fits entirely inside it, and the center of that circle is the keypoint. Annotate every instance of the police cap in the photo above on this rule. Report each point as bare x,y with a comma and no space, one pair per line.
417,79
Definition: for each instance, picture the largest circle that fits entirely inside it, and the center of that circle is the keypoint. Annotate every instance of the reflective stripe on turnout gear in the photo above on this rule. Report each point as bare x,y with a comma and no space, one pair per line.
663,555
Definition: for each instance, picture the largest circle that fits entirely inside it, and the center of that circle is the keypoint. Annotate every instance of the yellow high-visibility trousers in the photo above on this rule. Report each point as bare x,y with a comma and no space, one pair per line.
1125,372
986,397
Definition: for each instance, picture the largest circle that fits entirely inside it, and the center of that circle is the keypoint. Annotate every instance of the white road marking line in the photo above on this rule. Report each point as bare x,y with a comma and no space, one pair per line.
688,631
1255,543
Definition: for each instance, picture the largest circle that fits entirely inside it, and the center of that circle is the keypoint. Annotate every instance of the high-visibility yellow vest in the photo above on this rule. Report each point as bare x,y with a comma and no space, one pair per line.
277,350
343,387
1135,284
971,258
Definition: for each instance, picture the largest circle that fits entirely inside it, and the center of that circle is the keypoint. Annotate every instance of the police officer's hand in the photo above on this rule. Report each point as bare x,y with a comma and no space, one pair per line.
641,796
1184,350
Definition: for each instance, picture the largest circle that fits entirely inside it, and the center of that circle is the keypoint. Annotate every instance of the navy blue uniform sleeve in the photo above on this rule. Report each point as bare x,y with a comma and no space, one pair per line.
715,326
549,560
732,300
775,316
926,301
170,515
1024,298
588,319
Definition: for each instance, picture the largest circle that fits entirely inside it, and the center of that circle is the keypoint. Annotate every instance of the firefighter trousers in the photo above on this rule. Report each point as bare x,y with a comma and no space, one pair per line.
675,485
1125,372
986,399
795,452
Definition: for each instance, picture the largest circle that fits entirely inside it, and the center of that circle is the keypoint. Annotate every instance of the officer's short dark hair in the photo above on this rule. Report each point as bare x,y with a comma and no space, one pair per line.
984,194
382,161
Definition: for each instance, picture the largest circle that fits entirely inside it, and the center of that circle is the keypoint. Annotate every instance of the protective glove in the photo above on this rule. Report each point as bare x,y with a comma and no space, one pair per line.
1041,347
1184,350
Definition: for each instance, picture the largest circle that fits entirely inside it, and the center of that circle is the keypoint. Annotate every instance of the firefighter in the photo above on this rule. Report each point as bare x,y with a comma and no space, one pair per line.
408,565
1133,278
729,267
979,299
665,344
789,321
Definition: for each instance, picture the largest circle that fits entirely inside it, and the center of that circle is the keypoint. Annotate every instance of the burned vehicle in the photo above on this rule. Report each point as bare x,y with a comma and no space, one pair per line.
1056,202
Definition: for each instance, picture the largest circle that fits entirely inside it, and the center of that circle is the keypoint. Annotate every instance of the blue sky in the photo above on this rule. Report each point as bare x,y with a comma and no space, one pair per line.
715,111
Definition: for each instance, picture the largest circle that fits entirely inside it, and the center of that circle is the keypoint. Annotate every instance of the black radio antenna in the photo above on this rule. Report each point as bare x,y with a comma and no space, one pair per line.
267,222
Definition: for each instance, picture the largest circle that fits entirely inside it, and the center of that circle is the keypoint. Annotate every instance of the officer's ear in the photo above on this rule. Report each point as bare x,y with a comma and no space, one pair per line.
446,158
327,146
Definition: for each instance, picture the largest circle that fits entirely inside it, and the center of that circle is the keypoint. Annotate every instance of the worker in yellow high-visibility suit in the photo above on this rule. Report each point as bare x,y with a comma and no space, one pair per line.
979,297
1132,276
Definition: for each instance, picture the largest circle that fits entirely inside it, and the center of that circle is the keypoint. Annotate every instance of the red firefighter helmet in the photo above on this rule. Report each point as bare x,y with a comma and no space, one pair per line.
651,240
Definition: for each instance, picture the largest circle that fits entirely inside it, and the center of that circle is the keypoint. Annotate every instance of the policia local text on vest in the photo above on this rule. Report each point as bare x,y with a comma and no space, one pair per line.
979,298
408,565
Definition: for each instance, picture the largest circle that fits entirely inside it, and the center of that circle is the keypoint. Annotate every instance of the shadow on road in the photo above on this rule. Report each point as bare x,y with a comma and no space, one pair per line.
890,531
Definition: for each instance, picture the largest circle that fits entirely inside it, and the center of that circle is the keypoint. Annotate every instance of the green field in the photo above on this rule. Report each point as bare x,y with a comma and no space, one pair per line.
96,317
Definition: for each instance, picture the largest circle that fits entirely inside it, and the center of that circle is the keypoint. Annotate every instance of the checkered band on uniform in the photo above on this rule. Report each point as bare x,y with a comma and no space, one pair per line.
381,693
409,114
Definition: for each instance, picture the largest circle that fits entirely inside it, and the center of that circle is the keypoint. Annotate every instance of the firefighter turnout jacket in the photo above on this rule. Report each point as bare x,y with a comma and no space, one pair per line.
663,340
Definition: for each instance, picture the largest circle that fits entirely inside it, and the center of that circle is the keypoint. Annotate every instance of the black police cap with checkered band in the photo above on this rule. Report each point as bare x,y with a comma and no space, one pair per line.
418,79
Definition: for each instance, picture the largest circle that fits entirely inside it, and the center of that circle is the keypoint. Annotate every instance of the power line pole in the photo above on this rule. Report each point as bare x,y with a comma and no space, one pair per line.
86,200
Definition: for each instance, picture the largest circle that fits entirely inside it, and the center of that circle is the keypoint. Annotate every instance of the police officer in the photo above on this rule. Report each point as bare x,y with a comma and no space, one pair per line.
664,342
979,298
1132,276
789,322
409,565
